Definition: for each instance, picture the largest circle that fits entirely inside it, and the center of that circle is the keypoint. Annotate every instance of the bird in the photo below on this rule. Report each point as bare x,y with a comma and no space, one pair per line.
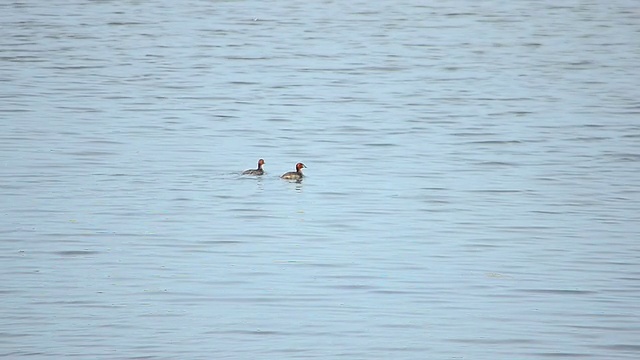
258,171
295,175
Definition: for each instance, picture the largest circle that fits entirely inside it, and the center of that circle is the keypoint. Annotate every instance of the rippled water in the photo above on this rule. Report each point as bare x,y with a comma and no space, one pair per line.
471,191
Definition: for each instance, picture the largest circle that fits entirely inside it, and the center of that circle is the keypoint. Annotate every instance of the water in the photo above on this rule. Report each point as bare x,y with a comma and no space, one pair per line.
471,191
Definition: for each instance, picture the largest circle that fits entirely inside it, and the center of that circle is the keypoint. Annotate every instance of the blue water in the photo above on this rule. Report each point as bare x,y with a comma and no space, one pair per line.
471,190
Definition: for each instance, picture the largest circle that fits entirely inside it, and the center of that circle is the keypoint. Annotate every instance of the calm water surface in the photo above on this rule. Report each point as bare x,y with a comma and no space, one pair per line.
472,188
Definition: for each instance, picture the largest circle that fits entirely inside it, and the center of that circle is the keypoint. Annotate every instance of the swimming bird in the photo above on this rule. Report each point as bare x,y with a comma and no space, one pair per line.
258,171
294,175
